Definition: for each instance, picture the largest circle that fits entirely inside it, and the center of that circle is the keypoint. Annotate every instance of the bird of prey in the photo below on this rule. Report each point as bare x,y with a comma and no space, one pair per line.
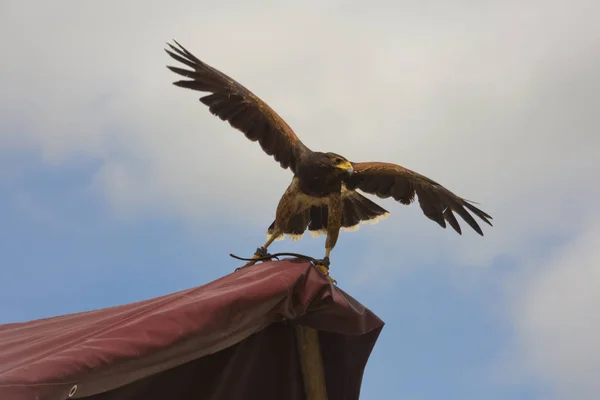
322,196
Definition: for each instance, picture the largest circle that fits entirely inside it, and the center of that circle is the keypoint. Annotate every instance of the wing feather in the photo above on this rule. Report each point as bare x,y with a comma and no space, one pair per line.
232,102
437,203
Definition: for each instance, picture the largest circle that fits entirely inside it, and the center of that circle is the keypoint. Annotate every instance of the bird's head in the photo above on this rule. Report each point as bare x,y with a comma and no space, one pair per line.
338,163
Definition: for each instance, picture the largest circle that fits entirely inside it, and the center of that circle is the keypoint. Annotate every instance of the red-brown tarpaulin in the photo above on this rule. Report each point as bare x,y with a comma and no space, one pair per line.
229,339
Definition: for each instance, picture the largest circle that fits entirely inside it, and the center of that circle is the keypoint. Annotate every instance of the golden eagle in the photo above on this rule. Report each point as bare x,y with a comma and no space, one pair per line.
322,195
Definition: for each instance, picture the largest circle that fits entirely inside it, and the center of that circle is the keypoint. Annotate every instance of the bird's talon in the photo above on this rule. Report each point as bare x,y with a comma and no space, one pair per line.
323,267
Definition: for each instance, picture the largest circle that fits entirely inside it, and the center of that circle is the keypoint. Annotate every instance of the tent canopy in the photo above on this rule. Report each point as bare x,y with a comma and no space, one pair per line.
231,338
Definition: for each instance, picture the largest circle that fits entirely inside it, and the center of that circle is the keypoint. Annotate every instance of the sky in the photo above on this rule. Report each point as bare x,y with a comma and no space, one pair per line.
116,186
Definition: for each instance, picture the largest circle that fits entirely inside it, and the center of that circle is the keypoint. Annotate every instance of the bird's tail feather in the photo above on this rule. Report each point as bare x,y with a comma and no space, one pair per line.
357,209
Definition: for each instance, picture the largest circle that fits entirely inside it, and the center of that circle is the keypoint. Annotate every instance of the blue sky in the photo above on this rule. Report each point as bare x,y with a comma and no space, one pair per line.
108,192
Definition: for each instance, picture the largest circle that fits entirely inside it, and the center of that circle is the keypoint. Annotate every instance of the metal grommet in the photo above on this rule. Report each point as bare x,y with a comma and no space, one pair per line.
73,391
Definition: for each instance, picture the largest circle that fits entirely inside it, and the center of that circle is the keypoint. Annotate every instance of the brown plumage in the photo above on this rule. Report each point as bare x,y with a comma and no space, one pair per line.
322,196
232,102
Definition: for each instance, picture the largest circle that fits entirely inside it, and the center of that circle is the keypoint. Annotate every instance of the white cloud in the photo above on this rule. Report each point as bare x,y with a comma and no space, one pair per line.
555,309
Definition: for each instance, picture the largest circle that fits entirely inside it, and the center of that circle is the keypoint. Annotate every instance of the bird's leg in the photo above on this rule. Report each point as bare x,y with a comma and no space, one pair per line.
334,223
286,209
325,261
323,265
261,251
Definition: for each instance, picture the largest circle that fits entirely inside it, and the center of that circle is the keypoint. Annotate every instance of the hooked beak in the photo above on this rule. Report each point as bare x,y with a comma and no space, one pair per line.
347,166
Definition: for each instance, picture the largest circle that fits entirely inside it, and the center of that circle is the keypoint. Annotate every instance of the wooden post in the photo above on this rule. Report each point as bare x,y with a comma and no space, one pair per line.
311,363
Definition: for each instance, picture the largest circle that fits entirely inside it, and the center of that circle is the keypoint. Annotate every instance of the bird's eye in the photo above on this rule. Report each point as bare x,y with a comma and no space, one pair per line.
338,160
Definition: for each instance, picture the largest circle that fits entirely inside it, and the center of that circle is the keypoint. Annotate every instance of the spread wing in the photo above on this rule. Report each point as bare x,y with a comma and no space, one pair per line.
438,203
232,102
